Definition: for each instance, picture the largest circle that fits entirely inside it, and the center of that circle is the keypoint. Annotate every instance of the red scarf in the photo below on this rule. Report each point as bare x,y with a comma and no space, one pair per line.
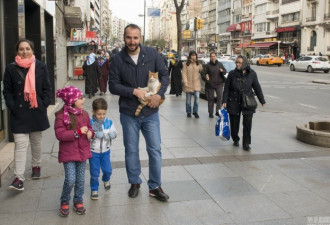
30,80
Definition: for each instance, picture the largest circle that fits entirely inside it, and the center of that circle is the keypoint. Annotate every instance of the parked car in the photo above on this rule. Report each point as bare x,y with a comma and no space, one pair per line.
233,57
223,56
270,60
254,59
311,64
229,66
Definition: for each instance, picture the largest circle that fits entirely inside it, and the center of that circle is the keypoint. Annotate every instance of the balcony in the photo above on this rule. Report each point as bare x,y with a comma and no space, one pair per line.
272,14
72,16
271,33
327,16
311,19
310,49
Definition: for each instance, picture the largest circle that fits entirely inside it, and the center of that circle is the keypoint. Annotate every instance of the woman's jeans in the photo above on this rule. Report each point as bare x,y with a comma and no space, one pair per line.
22,142
188,101
150,128
74,177
99,160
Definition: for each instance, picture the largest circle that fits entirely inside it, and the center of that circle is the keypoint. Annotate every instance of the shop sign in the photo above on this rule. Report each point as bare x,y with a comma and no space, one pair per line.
284,29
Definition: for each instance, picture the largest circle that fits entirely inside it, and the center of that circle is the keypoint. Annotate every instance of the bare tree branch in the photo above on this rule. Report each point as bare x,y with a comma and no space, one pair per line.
178,10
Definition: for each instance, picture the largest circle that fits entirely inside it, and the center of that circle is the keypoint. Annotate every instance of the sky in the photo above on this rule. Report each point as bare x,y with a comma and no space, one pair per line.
129,10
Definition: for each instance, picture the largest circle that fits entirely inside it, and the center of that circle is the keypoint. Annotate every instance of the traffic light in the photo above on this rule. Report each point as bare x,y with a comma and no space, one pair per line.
195,24
200,24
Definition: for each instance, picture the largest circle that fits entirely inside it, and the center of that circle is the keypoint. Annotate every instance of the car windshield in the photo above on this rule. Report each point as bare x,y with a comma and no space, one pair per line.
321,59
229,66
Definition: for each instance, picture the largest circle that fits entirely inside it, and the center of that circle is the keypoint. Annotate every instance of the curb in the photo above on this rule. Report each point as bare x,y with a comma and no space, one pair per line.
321,82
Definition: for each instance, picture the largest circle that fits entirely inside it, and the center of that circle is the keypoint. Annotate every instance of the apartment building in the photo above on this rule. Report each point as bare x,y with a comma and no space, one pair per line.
208,34
224,20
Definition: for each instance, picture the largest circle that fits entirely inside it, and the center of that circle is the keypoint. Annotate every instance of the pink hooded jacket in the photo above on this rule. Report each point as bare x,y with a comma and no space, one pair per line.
72,149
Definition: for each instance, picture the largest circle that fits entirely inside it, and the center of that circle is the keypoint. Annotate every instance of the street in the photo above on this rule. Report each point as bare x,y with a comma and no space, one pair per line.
291,91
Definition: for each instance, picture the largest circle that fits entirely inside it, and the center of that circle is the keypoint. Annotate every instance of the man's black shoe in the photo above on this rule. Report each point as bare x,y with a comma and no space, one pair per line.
134,190
188,114
236,143
159,194
196,115
211,115
247,147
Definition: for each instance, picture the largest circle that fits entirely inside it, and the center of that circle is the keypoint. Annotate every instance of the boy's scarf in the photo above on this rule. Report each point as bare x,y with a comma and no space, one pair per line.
90,59
30,80
97,124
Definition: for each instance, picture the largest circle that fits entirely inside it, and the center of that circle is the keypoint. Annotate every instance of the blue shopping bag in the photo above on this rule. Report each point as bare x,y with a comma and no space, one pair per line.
222,129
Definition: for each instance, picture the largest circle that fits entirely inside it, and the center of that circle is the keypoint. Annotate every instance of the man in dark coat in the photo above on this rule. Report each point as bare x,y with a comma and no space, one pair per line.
214,76
129,71
241,80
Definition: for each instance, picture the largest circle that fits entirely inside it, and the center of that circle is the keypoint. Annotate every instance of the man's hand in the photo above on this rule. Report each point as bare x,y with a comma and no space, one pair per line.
139,93
154,101
207,77
221,70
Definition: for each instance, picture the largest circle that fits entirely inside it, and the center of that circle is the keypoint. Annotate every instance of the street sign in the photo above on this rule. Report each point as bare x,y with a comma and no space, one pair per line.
186,34
153,12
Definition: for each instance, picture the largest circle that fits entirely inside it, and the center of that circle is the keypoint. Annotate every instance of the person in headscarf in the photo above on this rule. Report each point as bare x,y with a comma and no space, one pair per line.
175,70
241,80
27,94
105,67
92,73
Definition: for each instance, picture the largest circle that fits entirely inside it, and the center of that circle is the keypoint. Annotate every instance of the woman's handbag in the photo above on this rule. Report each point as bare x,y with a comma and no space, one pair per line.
249,102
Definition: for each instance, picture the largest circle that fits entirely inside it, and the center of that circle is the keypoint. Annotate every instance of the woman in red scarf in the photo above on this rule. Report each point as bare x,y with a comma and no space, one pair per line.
27,93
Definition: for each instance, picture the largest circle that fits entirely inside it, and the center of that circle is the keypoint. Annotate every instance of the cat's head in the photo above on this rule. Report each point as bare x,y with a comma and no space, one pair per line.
153,75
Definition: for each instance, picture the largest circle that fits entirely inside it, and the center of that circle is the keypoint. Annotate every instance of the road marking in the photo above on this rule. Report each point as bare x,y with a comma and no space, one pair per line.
271,96
310,106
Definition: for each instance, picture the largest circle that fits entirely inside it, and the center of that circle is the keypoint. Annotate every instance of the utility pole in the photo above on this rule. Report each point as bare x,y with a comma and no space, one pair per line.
144,23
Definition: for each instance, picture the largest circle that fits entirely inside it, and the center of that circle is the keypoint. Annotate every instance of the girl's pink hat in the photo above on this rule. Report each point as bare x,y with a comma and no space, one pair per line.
69,94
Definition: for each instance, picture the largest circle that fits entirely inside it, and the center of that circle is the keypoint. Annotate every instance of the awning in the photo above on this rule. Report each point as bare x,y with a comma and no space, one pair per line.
262,45
233,27
244,45
83,41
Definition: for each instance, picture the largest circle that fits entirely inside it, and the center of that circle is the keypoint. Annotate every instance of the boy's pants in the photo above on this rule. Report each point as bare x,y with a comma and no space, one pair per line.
99,160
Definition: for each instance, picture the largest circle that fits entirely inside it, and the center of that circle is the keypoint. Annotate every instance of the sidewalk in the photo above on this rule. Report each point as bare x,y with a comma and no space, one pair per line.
209,181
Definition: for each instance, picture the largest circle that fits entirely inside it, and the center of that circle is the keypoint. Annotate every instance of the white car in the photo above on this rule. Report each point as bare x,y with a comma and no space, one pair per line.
254,59
311,64
223,56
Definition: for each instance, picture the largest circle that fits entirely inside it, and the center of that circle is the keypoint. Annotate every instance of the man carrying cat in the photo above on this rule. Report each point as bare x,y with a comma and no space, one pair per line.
129,70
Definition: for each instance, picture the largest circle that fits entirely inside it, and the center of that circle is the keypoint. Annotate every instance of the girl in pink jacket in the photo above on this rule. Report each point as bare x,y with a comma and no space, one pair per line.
73,130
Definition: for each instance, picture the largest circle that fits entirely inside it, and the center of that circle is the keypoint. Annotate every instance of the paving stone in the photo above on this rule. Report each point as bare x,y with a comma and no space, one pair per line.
11,218
171,173
209,171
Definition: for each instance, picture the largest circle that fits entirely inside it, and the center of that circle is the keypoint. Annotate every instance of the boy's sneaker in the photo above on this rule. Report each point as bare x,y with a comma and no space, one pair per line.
36,172
64,210
95,195
159,194
107,185
17,185
79,208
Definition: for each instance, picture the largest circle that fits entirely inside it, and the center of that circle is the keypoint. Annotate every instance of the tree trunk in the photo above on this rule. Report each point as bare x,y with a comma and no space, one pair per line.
178,9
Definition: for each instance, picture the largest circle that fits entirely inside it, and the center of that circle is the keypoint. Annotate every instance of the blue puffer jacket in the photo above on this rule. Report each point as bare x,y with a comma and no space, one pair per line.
125,76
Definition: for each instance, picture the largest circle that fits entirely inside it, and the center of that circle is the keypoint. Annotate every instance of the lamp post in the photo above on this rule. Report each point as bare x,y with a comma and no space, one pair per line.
278,48
144,22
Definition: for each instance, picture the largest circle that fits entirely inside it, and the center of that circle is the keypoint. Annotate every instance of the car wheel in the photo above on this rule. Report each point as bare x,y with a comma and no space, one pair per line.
326,71
267,64
292,67
310,69
258,63
279,65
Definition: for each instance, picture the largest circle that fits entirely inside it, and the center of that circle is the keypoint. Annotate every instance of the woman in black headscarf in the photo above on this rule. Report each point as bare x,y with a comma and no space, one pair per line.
241,80
175,70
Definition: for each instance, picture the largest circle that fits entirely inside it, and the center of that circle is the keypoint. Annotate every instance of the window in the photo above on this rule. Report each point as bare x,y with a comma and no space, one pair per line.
260,27
292,17
261,9
237,18
314,9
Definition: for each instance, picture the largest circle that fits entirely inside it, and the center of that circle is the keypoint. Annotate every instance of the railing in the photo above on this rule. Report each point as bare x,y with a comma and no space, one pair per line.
285,40
310,49
310,19
327,16
272,12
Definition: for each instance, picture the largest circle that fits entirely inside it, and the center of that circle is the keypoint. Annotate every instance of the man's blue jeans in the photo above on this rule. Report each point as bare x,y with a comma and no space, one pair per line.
150,128
99,160
188,101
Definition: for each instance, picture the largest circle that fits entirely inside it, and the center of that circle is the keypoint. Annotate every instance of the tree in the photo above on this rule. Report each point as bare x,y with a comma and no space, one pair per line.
178,10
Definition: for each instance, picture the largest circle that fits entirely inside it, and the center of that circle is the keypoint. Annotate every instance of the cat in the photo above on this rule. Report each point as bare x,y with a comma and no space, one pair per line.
151,89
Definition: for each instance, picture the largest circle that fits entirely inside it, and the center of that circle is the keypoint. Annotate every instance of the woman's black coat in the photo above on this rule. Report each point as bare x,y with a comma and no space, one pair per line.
92,73
24,119
176,77
232,95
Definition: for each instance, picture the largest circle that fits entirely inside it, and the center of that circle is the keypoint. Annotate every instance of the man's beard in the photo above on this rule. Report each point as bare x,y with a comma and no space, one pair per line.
129,50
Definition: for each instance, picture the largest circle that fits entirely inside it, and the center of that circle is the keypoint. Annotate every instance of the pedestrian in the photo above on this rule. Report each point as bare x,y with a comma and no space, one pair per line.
241,80
73,130
214,76
136,60
27,94
191,82
320,54
105,132
92,73
105,67
175,70
159,50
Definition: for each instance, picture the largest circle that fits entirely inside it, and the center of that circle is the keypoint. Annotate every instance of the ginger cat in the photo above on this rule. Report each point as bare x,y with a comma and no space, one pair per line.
151,89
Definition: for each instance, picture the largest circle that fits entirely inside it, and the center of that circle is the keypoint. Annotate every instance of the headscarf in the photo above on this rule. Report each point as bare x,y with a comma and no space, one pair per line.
30,93
90,59
101,60
69,95
245,64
